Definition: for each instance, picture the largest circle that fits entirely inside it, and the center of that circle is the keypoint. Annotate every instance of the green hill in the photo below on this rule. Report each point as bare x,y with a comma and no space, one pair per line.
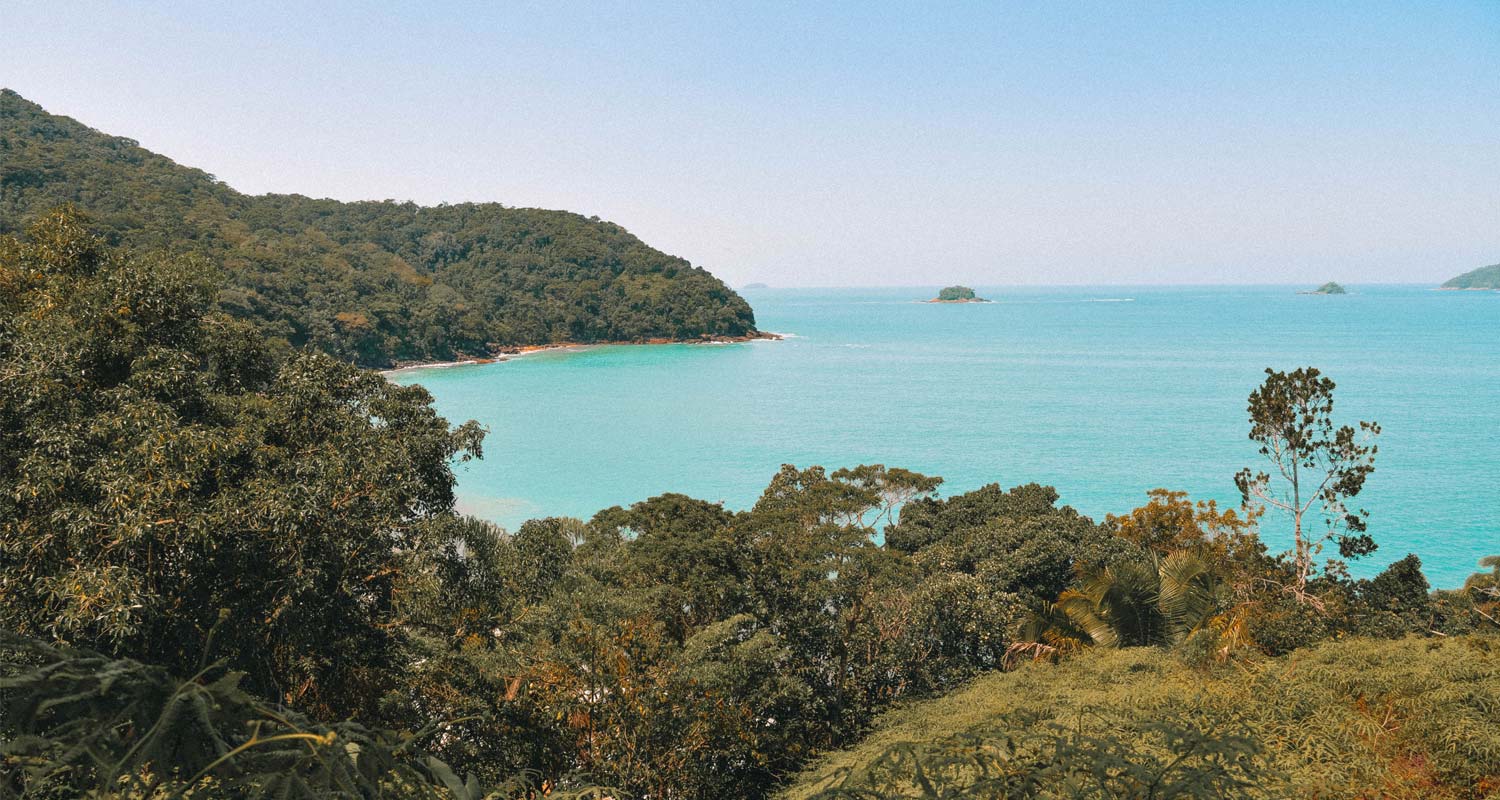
1346,719
1482,278
371,282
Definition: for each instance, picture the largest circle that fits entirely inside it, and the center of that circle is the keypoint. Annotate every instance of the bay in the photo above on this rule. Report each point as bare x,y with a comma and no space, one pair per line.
1103,392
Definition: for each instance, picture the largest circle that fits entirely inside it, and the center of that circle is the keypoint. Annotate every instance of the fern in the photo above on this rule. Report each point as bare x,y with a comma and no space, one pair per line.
77,723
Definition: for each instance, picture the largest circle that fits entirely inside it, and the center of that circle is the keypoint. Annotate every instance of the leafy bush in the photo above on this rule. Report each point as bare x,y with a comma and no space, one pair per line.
75,723
1026,755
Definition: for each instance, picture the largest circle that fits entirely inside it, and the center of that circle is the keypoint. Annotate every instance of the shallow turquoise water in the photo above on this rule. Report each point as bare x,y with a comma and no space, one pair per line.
1102,392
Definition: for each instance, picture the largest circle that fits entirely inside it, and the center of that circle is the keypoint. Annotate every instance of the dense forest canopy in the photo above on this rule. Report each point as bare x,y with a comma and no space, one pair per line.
369,282
1482,278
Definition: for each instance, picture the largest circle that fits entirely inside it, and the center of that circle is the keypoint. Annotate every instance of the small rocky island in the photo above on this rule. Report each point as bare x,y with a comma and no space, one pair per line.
957,294
1327,288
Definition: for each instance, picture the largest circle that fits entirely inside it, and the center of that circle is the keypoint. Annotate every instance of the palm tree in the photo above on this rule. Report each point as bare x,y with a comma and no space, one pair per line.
1484,587
1486,584
1160,601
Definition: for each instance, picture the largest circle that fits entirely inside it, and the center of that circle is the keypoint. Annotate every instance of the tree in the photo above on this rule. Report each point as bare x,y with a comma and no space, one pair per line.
686,559
1016,541
1401,587
1484,588
544,550
1318,468
1486,584
1136,603
162,475
818,577
1170,522
892,488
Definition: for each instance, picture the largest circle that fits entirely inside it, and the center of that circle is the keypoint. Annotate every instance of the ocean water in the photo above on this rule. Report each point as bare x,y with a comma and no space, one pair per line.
1102,392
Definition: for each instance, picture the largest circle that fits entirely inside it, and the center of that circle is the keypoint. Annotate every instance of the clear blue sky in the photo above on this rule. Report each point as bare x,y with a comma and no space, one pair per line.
843,144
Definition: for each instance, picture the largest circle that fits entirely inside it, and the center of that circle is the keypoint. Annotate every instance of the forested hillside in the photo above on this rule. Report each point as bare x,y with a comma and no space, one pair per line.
1482,278
369,282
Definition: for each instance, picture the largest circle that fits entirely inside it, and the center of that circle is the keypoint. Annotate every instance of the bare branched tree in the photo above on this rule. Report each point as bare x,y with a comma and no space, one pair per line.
1318,468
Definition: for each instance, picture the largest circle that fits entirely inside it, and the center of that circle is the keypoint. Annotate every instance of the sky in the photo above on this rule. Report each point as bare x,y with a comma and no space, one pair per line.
842,144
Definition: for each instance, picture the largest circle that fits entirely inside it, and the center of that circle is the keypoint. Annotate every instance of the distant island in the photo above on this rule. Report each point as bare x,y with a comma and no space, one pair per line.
1327,288
755,286
1482,278
957,294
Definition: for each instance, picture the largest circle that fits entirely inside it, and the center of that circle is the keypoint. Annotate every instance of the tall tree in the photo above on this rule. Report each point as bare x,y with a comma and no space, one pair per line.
162,477
1318,468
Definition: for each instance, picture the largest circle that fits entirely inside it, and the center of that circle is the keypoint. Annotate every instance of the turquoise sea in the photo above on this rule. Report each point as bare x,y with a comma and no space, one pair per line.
1102,392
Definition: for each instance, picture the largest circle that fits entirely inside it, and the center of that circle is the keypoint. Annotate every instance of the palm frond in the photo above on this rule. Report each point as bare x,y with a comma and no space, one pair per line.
1189,593
1084,613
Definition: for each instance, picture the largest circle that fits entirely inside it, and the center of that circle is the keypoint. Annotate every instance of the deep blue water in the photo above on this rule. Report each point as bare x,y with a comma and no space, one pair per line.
1102,392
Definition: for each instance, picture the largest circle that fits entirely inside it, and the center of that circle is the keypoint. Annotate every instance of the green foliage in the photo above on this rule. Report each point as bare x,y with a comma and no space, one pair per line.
956,293
1017,541
1477,603
1330,288
1280,624
81,724
1032,756
1358,718
1318,468
1400,589
1207,587
677,649
159,472
1134,603
1487,583
369,282
689,564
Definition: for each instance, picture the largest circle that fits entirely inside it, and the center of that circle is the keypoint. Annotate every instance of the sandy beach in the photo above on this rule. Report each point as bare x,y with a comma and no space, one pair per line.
505,354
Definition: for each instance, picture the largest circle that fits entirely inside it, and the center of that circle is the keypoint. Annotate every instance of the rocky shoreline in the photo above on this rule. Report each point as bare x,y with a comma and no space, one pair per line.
516,351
